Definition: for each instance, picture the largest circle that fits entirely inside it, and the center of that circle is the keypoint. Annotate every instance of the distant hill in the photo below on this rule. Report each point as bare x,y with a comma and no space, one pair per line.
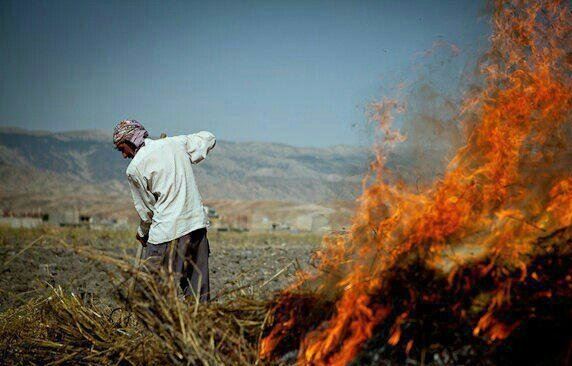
46,167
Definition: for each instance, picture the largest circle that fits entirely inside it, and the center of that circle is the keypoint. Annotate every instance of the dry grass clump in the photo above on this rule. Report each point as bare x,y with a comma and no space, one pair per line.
152,325
64,329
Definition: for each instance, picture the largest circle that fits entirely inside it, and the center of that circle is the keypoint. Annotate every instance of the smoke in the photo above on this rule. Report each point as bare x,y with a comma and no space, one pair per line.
459,178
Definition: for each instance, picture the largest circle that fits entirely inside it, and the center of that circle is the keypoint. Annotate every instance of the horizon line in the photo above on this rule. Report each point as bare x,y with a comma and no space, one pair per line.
103,133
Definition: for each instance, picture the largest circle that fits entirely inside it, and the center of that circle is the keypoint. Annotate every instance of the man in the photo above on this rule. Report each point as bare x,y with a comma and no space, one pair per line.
173,221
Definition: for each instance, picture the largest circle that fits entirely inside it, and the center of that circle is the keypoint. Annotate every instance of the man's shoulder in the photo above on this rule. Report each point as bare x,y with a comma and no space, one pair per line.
149,155
174,140
152,146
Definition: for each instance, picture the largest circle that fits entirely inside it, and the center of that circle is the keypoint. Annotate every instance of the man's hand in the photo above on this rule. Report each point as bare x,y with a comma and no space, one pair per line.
142,239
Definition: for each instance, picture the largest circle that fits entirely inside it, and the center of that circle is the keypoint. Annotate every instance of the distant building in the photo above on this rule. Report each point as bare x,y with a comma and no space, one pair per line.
311,222
104,223
280,226
62,218
21,219
230,223
260,223
72,218
66,218
314,222
21,222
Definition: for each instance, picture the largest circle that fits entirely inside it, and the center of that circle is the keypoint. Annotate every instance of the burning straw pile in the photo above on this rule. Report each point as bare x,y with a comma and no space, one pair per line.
476,269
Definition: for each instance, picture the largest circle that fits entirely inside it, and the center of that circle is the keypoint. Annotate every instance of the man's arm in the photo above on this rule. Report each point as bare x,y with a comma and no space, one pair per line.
143,199
198,145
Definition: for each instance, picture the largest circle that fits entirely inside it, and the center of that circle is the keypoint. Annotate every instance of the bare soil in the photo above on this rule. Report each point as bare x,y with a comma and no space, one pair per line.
33,260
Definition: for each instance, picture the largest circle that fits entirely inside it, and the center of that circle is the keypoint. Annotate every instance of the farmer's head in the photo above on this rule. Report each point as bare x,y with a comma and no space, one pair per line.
129,136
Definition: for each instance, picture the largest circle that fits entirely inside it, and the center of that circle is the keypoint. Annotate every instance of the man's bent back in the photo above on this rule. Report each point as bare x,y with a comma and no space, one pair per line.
173,220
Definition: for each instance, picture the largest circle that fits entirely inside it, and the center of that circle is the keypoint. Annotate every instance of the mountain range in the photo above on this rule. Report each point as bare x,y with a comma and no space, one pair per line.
74,168
82,170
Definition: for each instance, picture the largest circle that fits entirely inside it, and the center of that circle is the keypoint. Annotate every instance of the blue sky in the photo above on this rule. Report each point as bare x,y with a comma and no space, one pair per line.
296,72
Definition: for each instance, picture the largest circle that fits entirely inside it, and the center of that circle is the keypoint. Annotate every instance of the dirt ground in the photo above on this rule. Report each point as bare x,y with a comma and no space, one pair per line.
32,260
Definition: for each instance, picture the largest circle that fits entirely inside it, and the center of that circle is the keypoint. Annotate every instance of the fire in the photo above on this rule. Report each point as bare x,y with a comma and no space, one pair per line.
508,186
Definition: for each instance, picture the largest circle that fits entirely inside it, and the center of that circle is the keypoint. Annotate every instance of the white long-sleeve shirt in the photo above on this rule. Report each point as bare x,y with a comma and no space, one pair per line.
163,186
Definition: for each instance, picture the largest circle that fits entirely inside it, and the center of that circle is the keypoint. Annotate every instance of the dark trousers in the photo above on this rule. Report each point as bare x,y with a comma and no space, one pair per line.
188,258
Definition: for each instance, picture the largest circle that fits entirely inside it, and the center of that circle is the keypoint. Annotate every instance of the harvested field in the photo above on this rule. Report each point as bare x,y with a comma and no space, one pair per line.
74,296
35,258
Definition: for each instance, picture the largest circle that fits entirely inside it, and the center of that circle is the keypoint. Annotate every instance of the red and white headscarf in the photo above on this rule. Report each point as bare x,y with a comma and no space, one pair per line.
130,130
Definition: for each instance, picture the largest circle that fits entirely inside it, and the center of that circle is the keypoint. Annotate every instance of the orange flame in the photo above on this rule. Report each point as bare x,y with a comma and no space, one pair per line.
506,187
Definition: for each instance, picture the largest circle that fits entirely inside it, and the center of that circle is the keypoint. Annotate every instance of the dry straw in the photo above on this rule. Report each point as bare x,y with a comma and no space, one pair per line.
152,325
